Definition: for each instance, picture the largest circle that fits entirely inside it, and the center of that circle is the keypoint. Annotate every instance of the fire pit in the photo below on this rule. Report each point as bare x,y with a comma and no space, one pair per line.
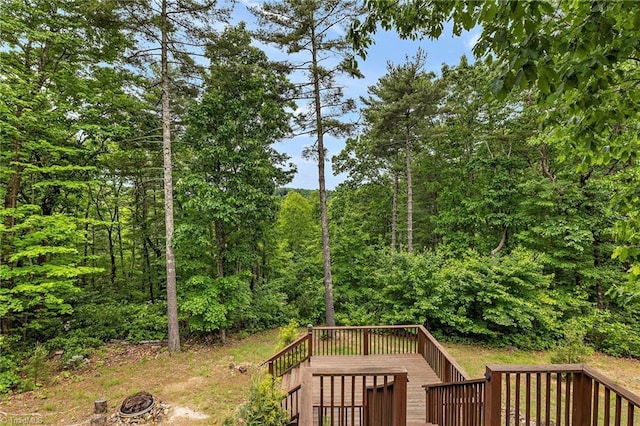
137,405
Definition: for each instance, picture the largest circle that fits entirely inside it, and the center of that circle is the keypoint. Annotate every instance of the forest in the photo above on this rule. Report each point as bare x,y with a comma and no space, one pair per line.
495,201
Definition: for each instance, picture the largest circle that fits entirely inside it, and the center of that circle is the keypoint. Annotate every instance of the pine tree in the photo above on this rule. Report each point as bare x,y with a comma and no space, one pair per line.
310,30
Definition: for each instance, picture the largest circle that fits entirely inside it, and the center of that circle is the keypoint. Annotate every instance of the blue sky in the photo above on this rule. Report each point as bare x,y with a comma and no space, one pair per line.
388,47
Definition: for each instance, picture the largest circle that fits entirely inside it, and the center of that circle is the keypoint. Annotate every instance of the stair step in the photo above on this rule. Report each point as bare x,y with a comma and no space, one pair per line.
291,379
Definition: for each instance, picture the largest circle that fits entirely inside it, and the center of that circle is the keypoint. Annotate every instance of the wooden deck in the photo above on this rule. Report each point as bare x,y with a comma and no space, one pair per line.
418,373
327,372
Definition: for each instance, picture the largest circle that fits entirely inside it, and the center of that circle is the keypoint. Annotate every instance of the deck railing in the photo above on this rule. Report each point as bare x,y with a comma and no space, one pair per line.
456,403
291,404
354,397
290,357
365,340
443,364
368,340
563,395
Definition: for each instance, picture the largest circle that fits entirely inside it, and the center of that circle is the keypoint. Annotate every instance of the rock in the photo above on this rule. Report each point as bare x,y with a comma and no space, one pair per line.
99,420
243,369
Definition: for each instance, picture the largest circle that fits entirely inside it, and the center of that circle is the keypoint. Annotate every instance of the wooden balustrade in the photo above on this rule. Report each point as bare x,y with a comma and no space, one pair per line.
365,340
443,364
456,403
291,403
563,395
290,357
348,397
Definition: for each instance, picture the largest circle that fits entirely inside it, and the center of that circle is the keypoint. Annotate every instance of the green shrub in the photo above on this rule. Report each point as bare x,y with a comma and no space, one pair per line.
263,404
499,301
608,333
36,370
572,350
147,322
130,321
288,334
9,378
210,304
76,344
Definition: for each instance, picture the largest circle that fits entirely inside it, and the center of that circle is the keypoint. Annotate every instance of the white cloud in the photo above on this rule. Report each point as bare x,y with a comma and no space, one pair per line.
472,40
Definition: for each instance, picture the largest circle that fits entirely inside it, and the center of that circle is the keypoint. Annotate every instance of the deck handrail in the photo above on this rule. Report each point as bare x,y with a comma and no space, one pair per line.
350,389
291,356
367,340
568,394
455,403
440,361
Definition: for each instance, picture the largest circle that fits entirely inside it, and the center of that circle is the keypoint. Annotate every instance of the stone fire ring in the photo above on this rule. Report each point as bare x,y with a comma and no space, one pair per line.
137,405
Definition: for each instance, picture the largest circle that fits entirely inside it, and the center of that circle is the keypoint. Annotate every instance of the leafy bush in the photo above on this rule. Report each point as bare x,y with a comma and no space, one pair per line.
608,333
502,300
9,377
212,304
288,334
35,369
74,344
148,322
572,350
133,321
263,404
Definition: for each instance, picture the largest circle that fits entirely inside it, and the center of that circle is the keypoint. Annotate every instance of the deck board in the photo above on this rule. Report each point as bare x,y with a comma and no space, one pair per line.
418,373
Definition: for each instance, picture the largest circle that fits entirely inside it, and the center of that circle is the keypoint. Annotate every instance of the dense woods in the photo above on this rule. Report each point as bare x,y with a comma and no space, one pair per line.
495,201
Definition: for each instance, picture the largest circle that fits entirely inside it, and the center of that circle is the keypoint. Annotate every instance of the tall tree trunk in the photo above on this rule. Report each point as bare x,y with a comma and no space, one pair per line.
409,196
501,244
13,187
324,217
112,256
394,212
596,265
119,235
172,298
220,242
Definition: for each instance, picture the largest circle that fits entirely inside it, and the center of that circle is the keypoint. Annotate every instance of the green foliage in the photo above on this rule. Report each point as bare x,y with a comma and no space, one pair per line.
35,369
74,344
614,334
572,349
130,321
211,304
288,334
501,300
42,271
9,377
263,404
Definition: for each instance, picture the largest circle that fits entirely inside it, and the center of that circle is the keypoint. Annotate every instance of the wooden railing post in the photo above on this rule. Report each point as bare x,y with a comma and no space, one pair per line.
447,371
400,399
493,398
271,369
582,389
310,339
365,344
306,399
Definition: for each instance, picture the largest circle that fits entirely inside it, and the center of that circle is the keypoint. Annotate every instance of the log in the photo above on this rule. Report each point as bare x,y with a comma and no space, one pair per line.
100,406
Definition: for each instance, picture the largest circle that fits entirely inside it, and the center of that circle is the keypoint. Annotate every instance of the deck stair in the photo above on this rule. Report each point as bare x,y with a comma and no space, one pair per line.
291,379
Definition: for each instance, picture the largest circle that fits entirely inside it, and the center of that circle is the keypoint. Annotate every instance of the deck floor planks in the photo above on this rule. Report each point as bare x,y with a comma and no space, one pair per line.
418,373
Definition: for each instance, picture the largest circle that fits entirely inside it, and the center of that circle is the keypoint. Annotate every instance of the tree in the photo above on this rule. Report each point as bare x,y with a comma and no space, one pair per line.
226,193
581,56
53,62
307,29
400,110
174,30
